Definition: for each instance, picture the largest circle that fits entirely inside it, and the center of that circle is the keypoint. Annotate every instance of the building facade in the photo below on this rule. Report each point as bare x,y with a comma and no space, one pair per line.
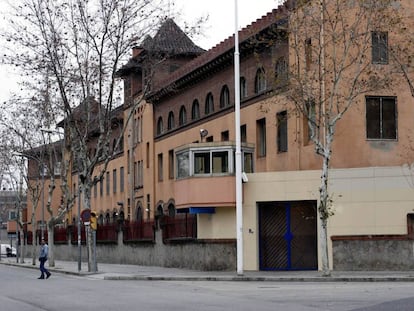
178,155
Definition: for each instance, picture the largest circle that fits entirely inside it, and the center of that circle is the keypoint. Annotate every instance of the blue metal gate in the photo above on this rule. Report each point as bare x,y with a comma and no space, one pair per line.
288,235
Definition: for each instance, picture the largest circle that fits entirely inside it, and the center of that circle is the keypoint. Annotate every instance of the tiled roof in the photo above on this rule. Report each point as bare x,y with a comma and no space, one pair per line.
172,40
89,108
276,17
169,39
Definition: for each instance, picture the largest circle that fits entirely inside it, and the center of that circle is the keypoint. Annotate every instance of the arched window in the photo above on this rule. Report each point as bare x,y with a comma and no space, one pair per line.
114,216
209,104
171,210
113,146
243,88
195,110
224,97
122,216
139,212
160,126
121,144
260,81
281,71
159,211
171,120
183,116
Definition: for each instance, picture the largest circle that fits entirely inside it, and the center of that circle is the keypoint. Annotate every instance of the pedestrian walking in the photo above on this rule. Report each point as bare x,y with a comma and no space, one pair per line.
44,251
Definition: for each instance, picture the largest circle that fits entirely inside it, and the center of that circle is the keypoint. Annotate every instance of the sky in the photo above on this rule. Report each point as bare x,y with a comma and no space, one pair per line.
220,26
221,22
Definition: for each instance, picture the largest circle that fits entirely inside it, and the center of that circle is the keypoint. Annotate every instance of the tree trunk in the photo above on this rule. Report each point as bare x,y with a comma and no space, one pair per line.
51,243
324,247
34,240
89,236
324,210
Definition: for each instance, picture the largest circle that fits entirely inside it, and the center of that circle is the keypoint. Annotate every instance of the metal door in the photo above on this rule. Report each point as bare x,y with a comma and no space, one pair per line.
288,235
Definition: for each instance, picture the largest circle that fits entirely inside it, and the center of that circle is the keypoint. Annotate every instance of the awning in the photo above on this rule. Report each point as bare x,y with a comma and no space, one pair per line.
197,210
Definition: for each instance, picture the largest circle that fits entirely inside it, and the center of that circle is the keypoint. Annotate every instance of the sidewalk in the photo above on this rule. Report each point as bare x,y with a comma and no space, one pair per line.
134,272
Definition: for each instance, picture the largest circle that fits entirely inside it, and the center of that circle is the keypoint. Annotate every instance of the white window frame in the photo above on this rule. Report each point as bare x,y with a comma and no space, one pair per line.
191,158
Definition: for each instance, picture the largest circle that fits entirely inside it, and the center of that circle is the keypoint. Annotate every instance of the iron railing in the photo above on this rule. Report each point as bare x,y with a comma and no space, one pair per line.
60,235
74,235
107,233
180,227
136,231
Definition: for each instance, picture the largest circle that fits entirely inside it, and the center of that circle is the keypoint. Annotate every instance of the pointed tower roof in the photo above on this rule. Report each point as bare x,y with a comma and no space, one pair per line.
172,40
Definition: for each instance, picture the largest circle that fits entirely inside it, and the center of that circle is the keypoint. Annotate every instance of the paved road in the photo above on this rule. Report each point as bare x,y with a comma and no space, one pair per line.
20,290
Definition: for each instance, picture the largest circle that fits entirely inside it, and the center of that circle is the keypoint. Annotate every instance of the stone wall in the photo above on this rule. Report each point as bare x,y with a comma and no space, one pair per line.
196,255
373,254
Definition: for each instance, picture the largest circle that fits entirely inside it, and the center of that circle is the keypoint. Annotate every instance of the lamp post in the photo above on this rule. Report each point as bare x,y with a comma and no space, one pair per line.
79,228
239,193
42,228
17,234
19,253
1,228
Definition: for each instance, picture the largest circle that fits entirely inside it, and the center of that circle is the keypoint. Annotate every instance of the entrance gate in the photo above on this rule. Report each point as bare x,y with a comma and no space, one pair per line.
288,235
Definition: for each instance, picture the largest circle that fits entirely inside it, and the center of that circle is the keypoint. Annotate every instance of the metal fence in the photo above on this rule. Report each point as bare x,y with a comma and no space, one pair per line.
139,231
107,233
181,227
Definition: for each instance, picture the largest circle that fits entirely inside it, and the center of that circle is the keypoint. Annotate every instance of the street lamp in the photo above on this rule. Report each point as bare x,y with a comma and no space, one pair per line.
1,228
239,189
19,251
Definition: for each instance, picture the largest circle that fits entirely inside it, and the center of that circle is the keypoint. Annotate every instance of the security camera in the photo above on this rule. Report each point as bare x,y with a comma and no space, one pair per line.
203,133
244,177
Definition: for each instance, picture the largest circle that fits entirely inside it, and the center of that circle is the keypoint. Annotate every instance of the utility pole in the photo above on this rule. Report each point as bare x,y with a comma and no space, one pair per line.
239,189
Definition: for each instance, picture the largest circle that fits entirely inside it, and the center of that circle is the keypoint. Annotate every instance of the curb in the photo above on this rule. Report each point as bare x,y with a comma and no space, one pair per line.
52,269
226,278
259,279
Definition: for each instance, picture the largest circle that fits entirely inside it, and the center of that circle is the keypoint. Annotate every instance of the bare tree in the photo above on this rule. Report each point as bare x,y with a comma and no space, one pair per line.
79,46
332,66
21,124
13,166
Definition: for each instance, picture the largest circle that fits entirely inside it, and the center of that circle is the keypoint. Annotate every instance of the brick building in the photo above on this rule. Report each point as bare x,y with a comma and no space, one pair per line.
177,161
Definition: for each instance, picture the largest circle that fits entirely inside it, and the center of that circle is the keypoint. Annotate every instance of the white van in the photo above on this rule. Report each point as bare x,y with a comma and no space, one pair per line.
8,251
